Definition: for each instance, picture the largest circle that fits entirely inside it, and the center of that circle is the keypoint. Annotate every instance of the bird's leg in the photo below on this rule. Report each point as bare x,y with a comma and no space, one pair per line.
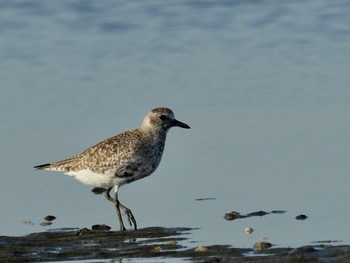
127,211
117,206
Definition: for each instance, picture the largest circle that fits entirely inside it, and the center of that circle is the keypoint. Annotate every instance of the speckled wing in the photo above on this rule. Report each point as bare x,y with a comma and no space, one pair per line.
113,154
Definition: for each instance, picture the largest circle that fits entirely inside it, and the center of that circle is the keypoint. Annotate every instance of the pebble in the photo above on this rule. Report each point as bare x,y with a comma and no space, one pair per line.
248,230
262,245
49,218
301,217
171,243
157,249
100,227
232,215
201,249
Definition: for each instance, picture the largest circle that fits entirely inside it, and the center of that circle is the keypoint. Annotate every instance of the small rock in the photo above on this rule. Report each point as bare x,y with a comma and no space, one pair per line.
248,230
50,218
157,249
301,217
101,227
171,243
232,215
262,245
201,249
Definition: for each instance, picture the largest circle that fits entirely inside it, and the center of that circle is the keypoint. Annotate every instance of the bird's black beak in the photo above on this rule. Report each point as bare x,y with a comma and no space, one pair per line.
180,124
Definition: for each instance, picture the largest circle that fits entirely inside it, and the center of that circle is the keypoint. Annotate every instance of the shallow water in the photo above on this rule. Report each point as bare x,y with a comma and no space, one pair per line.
264,86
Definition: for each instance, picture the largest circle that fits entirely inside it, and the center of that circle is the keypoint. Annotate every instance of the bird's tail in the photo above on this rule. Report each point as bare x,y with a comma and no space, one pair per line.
43,166
60,166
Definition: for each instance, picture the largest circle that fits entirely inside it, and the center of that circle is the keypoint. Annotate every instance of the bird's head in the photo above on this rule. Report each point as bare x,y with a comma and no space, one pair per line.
162,118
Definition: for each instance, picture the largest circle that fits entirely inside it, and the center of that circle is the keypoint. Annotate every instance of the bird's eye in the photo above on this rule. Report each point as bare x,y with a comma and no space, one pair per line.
162,117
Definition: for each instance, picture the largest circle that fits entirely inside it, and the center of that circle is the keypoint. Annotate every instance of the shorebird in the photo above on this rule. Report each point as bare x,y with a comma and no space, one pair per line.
121,159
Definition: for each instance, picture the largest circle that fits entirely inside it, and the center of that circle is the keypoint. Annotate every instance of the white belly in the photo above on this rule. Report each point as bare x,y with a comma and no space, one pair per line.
88,177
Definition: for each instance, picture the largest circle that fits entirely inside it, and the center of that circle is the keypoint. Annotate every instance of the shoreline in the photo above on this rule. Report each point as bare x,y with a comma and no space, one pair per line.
152,242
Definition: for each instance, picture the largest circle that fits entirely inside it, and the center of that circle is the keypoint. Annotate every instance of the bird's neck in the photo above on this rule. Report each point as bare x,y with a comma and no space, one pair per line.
154,135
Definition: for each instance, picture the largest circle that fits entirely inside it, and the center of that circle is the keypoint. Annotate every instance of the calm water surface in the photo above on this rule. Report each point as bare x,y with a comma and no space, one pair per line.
263,84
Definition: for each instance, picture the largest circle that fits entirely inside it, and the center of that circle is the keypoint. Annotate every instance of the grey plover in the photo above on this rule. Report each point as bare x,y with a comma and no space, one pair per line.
121,159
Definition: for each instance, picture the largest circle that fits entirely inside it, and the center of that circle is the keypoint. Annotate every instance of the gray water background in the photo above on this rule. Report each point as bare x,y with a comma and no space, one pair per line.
264,85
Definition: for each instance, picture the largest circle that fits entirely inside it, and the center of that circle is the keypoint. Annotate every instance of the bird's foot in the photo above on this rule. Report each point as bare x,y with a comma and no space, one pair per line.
130,216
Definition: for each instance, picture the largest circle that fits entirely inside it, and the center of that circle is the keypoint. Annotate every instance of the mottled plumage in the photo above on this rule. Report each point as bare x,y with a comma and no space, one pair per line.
123,158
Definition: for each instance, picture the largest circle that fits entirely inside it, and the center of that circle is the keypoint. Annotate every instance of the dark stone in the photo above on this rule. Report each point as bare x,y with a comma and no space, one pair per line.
301,217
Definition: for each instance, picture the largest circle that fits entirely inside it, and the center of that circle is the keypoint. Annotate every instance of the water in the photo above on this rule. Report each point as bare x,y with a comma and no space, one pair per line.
263,84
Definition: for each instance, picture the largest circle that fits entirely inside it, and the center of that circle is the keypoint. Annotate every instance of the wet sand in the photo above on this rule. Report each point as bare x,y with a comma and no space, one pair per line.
153,242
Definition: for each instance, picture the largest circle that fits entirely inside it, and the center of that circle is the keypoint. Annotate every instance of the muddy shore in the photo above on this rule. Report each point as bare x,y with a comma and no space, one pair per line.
153,242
